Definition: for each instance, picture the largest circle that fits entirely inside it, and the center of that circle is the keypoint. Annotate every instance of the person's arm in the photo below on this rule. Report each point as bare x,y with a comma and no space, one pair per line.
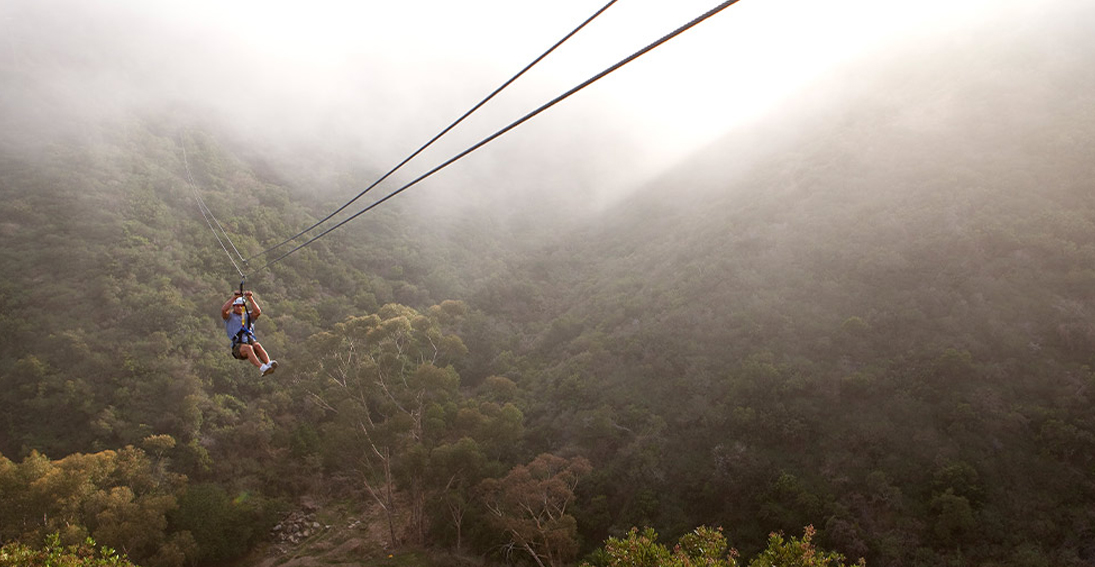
227,307
255,309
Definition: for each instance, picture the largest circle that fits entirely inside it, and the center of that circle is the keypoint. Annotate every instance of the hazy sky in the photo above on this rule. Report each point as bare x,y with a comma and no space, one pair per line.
381,77
417,64
739,63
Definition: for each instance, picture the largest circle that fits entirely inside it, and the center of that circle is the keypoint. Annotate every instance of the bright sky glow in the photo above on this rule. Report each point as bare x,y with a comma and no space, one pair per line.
398,72
731,67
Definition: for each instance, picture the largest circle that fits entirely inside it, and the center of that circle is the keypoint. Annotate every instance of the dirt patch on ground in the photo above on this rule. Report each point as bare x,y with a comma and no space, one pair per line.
332,534
349,553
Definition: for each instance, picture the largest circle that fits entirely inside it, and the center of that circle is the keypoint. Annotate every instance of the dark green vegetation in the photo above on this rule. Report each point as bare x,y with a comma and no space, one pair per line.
881,327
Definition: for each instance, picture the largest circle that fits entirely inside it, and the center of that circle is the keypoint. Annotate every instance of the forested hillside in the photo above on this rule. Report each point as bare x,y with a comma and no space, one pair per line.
870,314
883,327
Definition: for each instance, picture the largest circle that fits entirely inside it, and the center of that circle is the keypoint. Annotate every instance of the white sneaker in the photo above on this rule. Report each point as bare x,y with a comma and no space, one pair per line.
269,368
264,369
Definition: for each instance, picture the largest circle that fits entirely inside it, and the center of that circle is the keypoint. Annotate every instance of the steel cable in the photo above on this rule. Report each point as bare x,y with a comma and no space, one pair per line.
513,125
207,214
443,132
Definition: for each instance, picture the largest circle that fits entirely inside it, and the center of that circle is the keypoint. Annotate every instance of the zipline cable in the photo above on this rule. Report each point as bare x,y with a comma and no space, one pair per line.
443,132
210,218
207,214
513,125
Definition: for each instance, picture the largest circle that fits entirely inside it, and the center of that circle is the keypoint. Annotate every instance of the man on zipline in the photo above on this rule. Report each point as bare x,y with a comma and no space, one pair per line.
239,323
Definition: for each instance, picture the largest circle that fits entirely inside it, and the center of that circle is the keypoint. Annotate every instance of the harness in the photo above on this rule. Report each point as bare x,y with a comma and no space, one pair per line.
246,333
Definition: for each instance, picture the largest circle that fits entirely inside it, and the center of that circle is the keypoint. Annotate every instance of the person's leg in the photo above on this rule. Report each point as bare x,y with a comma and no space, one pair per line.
268,366
249,352
261,352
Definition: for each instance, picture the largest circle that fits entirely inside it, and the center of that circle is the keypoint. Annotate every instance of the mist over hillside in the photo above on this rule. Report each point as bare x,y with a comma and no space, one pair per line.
927,159
895,278
933,140
867,311
72,67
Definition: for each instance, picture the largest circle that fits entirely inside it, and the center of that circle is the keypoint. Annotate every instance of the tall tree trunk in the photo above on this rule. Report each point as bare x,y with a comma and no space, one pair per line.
388,482
384,495
457,514
533,553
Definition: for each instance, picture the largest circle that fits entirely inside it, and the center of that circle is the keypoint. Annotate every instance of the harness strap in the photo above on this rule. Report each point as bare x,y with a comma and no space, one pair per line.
248,324
241,334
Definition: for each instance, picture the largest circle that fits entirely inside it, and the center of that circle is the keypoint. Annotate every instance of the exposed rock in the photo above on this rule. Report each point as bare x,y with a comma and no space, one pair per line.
296,527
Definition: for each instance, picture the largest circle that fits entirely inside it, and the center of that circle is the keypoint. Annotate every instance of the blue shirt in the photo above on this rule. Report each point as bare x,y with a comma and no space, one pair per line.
234,323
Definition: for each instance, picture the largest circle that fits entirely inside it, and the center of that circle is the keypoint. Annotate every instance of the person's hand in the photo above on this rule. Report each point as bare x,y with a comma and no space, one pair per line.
247,294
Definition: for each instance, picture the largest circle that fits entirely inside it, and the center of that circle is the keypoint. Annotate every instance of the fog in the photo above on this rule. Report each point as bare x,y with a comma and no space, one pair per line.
364,84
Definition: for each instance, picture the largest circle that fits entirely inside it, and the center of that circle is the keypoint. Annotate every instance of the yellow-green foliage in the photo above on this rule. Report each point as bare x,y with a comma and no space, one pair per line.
121,498
797,552
704,546
54,554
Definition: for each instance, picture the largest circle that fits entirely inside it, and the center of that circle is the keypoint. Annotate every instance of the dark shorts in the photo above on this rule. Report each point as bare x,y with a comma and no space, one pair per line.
236,348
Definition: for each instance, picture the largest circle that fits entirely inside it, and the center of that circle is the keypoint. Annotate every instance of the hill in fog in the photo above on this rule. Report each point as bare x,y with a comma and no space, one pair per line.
888,285
868,311
931,170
